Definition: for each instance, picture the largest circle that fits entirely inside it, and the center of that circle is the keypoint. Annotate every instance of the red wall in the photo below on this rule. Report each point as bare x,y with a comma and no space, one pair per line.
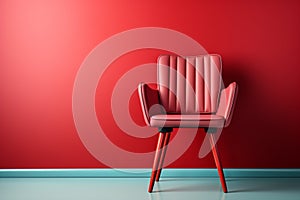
43,43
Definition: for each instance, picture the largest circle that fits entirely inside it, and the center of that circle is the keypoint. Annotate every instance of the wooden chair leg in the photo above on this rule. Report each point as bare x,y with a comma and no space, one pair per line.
156,160
218,162
161,163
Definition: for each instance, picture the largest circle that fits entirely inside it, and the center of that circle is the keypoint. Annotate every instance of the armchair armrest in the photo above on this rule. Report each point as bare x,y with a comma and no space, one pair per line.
149,98
227,102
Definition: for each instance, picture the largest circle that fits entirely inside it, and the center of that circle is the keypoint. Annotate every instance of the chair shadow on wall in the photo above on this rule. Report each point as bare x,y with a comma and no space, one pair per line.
254,124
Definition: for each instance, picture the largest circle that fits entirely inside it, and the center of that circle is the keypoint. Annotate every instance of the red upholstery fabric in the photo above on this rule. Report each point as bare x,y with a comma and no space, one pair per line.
188,121
189,94
189,85
227,102
148,98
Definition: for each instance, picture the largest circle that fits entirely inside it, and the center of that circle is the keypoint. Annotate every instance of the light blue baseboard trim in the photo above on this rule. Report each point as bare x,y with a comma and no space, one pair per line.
145,173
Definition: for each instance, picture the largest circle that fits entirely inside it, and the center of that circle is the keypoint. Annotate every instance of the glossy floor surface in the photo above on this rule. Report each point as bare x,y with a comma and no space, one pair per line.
136,188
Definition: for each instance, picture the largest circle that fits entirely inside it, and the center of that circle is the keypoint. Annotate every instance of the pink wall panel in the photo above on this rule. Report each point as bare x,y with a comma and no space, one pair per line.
43,43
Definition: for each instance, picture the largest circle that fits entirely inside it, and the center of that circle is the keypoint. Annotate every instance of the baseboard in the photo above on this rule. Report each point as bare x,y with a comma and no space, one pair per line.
145,173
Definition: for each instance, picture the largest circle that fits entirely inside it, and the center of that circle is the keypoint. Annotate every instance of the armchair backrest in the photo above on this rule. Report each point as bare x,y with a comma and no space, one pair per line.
189,84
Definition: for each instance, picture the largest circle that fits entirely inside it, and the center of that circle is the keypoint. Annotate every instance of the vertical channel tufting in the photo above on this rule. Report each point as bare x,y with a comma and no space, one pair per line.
200,84
181,81
172,84
207,79
189,85
215,66
163,80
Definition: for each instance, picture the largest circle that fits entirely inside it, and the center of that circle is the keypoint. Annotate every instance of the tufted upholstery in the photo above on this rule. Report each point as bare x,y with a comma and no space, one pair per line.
189,85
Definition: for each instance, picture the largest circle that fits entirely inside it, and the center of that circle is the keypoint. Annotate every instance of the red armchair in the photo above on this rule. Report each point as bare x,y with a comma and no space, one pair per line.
190,94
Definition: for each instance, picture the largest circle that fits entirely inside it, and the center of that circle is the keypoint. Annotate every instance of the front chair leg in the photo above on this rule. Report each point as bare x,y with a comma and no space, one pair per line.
156,162
164,150
218,162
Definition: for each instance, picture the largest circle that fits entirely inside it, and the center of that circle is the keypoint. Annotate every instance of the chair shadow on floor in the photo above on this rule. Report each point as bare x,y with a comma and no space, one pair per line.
264,185
194,185
235,185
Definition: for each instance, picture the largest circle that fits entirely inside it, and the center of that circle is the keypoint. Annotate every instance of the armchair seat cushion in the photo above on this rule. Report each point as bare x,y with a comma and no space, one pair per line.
187,120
